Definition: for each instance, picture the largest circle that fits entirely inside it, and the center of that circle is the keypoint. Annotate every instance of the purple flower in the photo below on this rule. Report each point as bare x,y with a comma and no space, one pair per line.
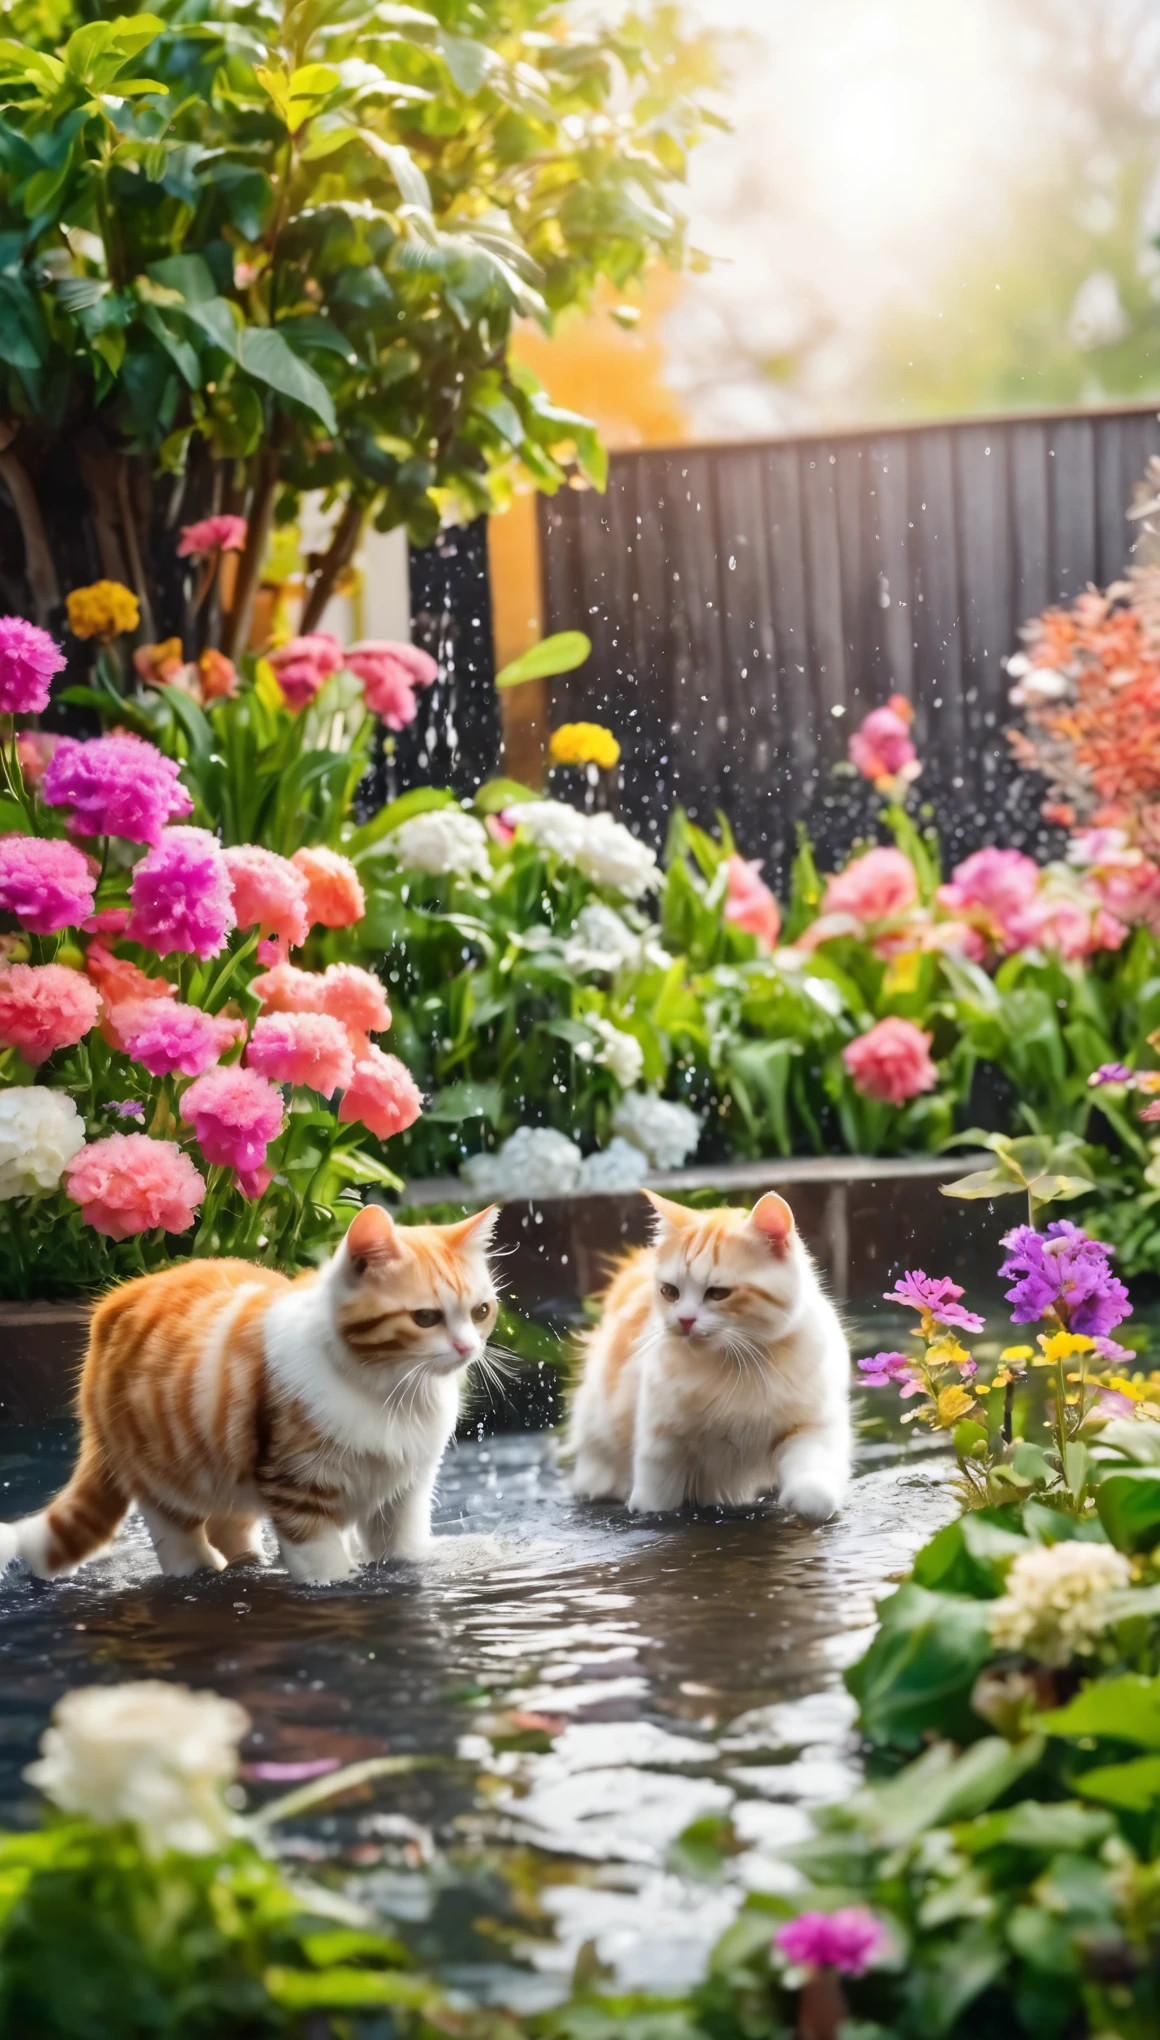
116,786
936,1296
1112,1073
1111,1350
291,1774
1065,1272
128,1108
848,1940
47,884
885,1368
181,894
28,660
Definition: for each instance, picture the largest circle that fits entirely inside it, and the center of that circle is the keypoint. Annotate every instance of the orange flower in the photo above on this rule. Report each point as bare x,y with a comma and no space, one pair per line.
335,898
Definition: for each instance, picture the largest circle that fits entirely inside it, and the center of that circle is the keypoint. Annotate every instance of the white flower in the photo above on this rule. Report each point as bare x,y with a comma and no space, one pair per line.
619,1166
621,1053
441,841
1042,683
666,1133
534,1162
1053,1607
601,940
40,1130
146,1752
604,850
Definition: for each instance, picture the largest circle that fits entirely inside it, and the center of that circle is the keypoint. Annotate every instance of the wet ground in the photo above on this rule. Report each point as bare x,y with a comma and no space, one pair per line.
599,1685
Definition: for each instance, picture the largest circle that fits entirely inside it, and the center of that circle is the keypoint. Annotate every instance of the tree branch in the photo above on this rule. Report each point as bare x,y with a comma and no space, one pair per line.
133,547
337,557
38,560
236,627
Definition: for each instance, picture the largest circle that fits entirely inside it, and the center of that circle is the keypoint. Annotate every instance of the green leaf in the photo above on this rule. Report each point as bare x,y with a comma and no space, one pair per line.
918,1672
265,355
300,1990
467,1101
1128,1504
413,187
468,61
1133,1787
560,653
497,794
983,1183
1126,1708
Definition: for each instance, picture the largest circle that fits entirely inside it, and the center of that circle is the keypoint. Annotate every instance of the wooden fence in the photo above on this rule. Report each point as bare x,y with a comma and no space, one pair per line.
748,604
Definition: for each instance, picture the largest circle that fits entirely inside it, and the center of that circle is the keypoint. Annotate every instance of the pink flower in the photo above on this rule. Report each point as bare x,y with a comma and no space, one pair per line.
171,1039
749,903
286,989
500,830
269,893
302,1048
356,998
383,1095
848,1940
123,987
875,887
116,786
110,921
34,749
235,1114
44,1007
956,936
882,750
211,535
390,673
47,884
28,660
335,898
935,1296
128,1183
304,665
181,895
891,1062
1060,922
993,885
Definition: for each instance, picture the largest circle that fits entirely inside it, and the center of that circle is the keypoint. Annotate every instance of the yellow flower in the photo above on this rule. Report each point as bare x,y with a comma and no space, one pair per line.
953,1403
947,1352
1062,1346
584,743
1136,1391
1017,1353
102,611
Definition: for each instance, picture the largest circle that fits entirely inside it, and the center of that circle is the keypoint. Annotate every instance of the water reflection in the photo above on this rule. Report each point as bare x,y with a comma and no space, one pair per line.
603,1682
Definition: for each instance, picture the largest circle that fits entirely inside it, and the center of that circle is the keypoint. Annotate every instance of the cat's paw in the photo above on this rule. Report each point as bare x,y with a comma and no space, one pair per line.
812,1500
7,1545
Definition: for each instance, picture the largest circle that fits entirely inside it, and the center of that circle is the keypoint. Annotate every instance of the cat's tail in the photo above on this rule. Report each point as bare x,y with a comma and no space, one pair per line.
84,1516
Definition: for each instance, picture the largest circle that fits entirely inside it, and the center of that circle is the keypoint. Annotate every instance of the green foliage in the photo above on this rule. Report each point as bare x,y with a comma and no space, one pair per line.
561,653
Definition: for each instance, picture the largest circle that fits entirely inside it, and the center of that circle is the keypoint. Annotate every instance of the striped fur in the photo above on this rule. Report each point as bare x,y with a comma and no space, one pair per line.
719,1371
219,1394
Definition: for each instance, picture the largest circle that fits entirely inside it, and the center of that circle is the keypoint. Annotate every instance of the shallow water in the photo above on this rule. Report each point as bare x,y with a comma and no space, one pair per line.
599,1683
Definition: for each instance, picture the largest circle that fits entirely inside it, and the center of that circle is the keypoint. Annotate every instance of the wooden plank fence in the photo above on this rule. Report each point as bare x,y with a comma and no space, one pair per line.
749,603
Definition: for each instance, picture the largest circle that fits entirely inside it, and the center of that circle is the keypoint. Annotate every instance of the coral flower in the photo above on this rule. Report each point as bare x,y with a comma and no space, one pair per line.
116,786
356,998
302,1048
181,895
235,1114
34,750
383,1095
170,1039
128,1183
891,1062
161,664
304,665
47,884
749,904
123,987
335,898
269,893
286,989
211,535
390,673
875,887
44,1007
104,611
218,676
28,660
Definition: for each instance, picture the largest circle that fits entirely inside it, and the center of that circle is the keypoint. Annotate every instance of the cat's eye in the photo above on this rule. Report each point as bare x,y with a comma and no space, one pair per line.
427,1318
669,1291
481,1311
717,1295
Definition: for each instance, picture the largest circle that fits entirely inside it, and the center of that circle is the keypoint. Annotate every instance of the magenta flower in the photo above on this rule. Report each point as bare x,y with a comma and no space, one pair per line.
28,660
235,1114
936,1296
116,786
1065,1272
181,894
175,1040
848,1940
1112,1073
390,673
47,884
303,665
211,535
885,1368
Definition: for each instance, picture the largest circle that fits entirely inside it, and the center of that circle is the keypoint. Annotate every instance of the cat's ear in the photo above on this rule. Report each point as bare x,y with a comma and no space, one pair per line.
372,1238
677,1217
773,1219
475,1231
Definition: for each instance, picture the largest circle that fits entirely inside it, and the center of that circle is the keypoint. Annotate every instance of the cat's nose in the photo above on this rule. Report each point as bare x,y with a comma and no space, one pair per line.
687,1323
463,1347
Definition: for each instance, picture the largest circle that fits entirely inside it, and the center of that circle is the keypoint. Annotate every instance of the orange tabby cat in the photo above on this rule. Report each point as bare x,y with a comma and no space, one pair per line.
219,1393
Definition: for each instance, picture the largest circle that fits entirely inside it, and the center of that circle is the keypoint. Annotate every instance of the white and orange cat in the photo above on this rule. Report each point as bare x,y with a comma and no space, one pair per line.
220,1393
718,1373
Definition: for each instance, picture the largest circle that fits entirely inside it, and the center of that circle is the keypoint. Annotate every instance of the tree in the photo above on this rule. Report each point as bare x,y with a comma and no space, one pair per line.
251,251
